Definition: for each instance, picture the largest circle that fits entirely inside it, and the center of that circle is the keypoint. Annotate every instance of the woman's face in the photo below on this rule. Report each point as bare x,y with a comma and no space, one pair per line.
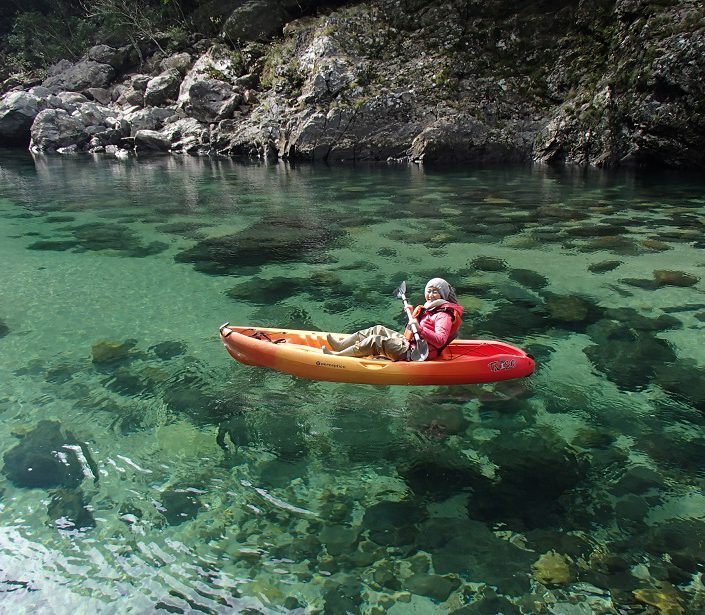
432,293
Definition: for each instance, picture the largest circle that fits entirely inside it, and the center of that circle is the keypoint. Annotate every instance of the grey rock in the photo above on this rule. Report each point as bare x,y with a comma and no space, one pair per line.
162,88
131,97
55,128
17,113
179,62
211,100
82,75
139,82
58,68
151,140
149,118
187,135
104,54
100,95
255,20
70,99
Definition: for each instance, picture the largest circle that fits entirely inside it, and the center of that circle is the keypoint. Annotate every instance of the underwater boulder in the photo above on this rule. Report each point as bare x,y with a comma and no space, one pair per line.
436,420
488,263
4,329
266,291
393,523
440,479
468,547
168,350
528,278
434,586
274,239
552,568
627,357
179,504
535,469
683,378
571,309
509,321
47,457
631,318
68,510
107,353
665,277
604,266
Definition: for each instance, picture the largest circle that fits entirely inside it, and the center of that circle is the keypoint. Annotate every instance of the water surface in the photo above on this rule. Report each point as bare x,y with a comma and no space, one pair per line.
145,471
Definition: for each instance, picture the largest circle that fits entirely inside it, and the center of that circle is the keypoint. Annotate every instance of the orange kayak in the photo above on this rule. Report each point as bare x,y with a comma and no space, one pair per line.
299,353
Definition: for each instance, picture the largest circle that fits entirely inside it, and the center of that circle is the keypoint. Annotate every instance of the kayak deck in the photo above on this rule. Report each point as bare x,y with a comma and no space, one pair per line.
299,353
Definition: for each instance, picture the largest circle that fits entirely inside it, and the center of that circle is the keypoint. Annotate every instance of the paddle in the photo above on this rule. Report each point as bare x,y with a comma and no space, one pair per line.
420,351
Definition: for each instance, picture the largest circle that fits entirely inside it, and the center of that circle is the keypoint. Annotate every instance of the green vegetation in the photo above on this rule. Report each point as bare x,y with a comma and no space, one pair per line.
281,68
38,33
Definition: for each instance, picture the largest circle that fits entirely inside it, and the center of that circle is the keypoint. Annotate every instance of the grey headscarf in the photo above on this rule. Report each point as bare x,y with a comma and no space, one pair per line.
445,289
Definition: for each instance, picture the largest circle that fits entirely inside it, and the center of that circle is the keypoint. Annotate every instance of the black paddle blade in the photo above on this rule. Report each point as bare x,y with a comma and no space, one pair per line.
420,351
401,291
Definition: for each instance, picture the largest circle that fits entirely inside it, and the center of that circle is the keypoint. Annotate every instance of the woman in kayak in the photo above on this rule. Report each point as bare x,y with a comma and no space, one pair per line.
437,322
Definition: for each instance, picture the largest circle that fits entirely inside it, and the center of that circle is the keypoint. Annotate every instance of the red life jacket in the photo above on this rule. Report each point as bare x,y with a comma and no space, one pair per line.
455,312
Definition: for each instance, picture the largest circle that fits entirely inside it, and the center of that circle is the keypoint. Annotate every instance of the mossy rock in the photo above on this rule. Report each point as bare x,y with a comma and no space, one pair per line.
665,277
552,569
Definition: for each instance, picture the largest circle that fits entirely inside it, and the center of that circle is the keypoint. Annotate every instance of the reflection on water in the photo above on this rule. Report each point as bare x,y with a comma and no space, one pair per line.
144,471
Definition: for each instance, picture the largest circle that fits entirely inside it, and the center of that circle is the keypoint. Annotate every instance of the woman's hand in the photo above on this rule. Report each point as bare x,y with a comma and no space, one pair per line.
414,323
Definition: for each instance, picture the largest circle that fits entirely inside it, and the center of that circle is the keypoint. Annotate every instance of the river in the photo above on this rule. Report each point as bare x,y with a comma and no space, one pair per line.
145,471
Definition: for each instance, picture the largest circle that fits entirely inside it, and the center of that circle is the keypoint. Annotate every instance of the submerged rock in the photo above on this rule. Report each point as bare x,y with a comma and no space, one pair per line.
570,309
106,353
530,279
683,378
535,468
168,350
666,598
626,356
463,546
275,239
68,510
511,321
631,318
433,586
552,569
48,457
488,263
604,266
665,277
393,523
179,504
266,291
4,329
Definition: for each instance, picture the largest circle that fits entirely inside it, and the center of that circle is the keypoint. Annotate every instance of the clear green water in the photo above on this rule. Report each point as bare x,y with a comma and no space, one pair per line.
578,490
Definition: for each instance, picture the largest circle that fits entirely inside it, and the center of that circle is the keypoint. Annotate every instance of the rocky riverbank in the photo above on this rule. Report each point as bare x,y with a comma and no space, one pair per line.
610,83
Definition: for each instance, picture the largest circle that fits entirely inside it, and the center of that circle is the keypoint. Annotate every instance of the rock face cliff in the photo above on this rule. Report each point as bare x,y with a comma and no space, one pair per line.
606,83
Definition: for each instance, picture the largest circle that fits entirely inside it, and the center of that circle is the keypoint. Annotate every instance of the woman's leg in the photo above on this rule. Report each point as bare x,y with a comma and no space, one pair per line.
358,336
378,340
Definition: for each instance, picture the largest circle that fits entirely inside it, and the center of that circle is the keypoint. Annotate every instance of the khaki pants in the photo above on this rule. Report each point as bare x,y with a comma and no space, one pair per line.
379,340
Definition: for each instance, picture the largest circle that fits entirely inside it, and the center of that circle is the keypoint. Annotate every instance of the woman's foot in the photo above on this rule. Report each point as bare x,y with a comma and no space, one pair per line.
333,343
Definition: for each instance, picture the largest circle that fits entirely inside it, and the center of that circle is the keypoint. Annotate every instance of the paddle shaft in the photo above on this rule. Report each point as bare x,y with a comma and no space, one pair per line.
410,314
